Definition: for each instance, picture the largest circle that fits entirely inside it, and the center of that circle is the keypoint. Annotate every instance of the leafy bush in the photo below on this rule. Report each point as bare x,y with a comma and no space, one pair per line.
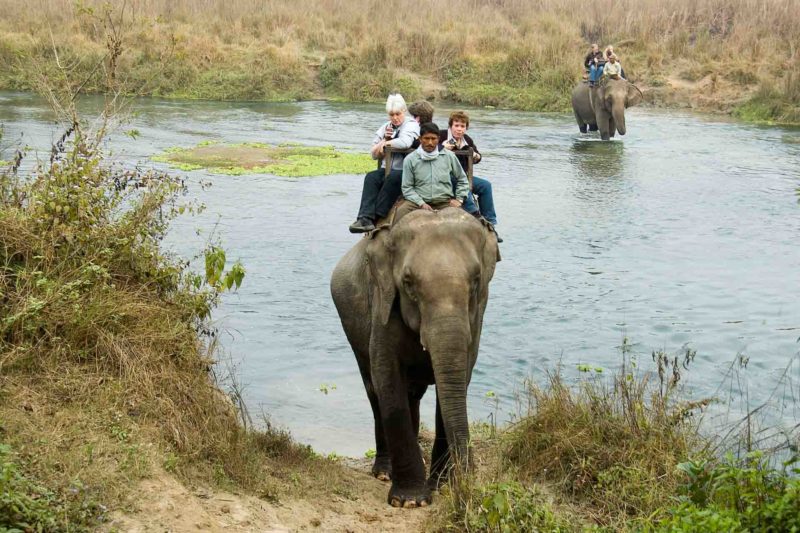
611,444
499,507
742,496
26,506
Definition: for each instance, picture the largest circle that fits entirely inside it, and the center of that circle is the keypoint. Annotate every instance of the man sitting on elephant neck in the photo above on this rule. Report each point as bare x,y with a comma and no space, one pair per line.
380,192
426,176
613,68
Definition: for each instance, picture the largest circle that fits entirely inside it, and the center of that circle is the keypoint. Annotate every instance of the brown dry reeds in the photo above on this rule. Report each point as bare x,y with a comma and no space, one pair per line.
516,53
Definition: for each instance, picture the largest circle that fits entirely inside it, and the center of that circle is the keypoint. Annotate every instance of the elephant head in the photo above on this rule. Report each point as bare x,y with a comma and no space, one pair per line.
610,100
433,269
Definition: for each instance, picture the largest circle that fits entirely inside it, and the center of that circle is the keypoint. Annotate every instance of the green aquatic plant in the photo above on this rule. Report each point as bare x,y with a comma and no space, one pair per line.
290,160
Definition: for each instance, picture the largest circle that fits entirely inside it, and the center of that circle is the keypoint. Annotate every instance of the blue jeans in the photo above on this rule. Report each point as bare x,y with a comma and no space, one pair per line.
483,188
595,71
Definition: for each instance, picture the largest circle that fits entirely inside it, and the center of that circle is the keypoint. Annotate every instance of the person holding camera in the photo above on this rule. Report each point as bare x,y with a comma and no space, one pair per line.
455,138
398,133
593,63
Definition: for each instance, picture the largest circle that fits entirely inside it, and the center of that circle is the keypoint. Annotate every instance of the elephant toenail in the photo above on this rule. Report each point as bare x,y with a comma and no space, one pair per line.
395,502
423,503
410,504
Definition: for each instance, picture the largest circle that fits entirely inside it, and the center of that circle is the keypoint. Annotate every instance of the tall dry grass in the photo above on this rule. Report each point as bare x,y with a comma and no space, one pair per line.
515,53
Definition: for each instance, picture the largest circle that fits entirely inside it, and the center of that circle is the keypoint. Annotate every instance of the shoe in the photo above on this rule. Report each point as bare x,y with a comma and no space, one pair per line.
499,238
362,225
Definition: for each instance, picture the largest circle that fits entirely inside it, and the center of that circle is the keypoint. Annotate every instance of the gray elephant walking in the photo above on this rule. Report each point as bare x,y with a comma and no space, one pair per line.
602,107
411,300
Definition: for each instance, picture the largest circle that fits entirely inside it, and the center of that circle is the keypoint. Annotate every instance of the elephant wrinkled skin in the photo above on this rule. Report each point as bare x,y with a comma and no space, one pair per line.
411,300
602,107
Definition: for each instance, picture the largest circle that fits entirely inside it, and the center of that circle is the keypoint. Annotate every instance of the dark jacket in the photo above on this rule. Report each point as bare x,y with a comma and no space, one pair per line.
589,59
462,158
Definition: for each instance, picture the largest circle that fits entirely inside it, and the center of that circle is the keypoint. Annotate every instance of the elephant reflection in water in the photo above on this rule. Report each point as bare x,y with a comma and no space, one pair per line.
593,159
600,176
411,300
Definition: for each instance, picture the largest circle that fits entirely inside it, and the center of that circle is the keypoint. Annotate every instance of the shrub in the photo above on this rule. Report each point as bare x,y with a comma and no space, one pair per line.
26,506
736,495
612,444
498,507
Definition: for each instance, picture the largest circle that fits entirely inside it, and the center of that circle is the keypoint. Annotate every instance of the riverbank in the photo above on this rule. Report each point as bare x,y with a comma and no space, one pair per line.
738,60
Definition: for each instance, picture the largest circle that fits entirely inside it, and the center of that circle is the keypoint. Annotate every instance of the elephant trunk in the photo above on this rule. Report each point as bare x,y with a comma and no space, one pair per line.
618,112
448,340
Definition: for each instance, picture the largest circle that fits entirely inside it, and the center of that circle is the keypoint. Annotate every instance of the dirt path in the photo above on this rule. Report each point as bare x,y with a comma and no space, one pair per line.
168,506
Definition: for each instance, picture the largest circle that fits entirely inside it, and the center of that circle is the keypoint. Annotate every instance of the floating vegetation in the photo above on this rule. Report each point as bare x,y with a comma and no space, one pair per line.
258,158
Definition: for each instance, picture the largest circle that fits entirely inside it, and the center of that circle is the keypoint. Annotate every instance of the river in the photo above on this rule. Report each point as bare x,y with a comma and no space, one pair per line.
683,233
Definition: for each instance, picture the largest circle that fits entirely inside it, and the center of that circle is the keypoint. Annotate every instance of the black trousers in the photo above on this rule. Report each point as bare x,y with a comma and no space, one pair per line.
378,194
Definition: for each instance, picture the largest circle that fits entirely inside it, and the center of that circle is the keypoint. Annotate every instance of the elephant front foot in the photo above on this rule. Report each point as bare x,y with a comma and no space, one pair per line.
409,498
382,468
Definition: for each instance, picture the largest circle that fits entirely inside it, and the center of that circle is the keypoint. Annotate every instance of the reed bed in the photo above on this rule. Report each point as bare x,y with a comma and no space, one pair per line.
522,54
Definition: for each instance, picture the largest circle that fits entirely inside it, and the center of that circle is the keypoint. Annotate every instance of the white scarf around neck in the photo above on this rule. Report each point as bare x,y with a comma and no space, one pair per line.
428,156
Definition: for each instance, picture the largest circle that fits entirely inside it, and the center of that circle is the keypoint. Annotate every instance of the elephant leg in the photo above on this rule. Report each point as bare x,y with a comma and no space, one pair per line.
382,466
409,488
592,127
415,393
440,456
612,128
581,124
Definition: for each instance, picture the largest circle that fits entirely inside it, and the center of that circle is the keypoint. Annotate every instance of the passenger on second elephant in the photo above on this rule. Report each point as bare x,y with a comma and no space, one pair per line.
456,138
380,190
593,62
613,68
427,176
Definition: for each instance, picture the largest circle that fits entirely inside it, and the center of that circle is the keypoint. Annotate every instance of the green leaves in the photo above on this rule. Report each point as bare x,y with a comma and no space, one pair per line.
737,495
508,507
216,276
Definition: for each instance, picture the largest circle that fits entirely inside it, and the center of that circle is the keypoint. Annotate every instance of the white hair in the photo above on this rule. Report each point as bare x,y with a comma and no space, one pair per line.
395,103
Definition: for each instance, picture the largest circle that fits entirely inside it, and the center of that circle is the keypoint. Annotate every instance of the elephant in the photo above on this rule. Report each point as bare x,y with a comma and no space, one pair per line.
411,300
602,107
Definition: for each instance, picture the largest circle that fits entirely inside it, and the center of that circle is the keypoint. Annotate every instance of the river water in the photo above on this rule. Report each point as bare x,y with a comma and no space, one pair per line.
683,233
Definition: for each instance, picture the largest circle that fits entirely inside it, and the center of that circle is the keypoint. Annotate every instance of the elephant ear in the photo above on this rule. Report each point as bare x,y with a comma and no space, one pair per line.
634,96
382,287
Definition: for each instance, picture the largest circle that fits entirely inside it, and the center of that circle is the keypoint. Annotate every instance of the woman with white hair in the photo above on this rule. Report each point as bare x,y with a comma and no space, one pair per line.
379,194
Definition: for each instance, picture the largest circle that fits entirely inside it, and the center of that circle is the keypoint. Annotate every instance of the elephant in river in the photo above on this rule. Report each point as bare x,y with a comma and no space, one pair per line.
602,107
411,300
